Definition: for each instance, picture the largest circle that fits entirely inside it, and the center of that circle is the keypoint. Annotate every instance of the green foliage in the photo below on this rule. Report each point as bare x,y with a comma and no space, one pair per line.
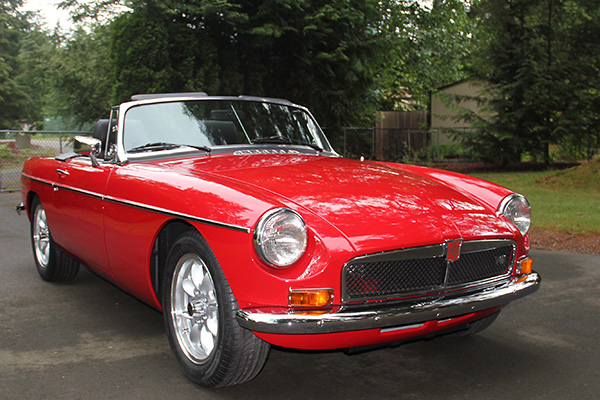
433,151
4,151
430,51
16,98
542,61
139,55
341,58
50,74
77,76
324,54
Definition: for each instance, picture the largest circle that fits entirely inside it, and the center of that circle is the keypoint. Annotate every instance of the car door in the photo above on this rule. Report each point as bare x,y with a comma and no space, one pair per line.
78,223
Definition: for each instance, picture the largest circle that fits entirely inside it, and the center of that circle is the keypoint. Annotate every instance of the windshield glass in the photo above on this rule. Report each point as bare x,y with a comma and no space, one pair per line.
206,123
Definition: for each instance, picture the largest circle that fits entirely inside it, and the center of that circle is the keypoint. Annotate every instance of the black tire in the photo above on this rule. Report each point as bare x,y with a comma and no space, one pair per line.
477,326
52,264
199,311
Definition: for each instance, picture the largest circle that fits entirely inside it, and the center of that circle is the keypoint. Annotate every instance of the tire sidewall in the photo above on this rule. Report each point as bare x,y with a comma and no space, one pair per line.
46,272
206,373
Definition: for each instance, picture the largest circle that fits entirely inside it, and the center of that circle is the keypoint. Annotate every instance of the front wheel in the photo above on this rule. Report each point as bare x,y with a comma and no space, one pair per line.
199,311
52,264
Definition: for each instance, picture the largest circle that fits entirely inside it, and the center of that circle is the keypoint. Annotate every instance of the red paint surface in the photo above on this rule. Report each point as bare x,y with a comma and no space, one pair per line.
351,208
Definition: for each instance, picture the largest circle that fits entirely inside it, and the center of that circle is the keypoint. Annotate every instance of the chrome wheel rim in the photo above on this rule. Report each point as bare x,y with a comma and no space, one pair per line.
41,237
194,308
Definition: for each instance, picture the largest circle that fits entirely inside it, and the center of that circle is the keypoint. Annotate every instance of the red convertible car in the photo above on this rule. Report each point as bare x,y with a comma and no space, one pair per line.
235,217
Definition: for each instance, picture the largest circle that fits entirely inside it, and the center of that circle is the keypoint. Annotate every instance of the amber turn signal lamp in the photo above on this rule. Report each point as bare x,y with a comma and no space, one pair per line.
526,266
311,297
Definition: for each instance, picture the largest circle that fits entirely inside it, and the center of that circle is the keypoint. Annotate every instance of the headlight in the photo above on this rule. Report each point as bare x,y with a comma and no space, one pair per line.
280,237
517,209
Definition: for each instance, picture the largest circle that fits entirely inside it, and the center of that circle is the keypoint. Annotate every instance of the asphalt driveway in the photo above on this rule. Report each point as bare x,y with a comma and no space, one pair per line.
88,340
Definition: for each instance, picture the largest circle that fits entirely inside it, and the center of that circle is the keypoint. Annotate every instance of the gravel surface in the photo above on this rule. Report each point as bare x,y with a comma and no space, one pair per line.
546,239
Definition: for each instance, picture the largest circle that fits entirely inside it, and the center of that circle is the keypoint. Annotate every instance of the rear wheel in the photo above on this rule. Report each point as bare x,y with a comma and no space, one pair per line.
52,264
199,311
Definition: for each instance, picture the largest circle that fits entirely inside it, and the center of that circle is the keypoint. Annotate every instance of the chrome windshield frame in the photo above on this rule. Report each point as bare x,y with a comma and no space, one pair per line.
123,156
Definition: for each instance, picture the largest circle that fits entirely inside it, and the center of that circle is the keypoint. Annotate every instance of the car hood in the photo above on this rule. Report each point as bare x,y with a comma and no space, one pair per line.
377,207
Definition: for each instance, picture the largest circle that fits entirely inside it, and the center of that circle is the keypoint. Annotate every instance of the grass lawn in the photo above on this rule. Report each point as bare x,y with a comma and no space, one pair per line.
14,158
566,200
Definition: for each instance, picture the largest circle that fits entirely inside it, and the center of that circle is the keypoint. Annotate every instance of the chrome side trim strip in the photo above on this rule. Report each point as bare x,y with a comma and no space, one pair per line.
42,181
141,206
402,328
170,213
80,191
285,322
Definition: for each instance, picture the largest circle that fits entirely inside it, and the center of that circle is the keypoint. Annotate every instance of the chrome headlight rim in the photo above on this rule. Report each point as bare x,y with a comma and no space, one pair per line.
510,207
263,237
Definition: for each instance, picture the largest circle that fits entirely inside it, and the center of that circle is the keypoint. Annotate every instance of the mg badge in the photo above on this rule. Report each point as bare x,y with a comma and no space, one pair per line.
453,250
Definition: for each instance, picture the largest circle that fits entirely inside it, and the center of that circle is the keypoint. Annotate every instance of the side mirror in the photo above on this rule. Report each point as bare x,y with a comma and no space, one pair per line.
94,147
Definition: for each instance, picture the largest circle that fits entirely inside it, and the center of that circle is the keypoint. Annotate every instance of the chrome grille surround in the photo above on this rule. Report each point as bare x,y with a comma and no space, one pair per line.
425,270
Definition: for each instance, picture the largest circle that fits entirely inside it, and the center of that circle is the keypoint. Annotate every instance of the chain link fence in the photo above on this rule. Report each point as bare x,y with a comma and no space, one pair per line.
397,145
402,145
18,146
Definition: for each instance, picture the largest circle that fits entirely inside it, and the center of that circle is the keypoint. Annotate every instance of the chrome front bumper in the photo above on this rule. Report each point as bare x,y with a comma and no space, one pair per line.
283,321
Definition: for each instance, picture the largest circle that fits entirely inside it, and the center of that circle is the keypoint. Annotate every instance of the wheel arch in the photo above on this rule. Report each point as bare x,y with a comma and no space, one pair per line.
30,196
160,250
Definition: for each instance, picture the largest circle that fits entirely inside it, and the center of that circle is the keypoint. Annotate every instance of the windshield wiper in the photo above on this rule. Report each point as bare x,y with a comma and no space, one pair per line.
165,146
193,146
285,140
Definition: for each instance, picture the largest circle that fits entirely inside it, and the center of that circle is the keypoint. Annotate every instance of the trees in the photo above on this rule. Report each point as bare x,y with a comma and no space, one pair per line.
542,66
154,50
46,73
339,57
16,99
342,58
78,76
430,50
139,55
579,125
324,54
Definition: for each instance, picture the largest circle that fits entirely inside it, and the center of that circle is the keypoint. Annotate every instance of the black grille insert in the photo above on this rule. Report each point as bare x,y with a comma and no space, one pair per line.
479,265
391,277
425,269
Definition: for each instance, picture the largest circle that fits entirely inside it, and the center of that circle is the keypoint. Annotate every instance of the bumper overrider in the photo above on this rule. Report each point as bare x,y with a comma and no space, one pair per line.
284,320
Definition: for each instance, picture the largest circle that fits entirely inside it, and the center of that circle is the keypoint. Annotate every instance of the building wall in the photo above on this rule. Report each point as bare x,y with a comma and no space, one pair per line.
442,113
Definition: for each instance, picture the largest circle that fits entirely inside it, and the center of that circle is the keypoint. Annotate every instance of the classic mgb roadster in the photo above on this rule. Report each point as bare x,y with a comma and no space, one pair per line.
235,217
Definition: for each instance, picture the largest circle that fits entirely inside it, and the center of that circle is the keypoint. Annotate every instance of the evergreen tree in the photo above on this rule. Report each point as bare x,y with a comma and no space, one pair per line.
139,54
324,54
338,57
530,56
78,76
579,123
430,50
16,100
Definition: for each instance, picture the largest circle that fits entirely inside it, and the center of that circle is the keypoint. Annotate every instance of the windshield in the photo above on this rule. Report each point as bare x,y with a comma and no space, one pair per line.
207,123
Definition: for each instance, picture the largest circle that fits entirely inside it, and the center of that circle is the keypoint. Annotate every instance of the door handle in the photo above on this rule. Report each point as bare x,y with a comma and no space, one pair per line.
62,171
